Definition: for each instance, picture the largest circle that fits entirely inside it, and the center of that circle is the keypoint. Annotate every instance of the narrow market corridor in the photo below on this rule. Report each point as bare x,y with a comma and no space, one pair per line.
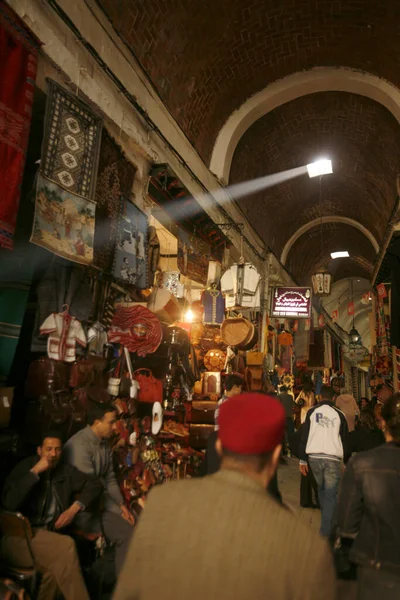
199,263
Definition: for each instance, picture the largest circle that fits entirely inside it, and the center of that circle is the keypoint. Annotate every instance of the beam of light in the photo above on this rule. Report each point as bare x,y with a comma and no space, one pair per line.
341,254
320,167
233,192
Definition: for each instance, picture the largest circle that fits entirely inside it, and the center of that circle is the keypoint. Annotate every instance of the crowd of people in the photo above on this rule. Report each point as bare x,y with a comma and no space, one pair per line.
229,533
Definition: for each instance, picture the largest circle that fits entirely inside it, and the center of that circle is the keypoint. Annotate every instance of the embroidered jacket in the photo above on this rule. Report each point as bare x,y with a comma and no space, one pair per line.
64,333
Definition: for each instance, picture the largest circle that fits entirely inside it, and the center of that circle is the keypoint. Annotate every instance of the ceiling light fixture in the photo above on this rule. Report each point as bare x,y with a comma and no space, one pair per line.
320,167
341,254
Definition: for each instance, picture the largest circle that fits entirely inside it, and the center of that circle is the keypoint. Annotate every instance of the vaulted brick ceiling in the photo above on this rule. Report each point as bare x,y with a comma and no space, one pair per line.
205,58
363,140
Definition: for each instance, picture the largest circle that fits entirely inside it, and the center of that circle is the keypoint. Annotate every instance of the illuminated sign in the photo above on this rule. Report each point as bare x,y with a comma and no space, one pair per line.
291,302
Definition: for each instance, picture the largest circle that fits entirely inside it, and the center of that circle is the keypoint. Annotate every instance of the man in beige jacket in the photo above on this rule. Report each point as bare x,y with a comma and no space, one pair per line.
223,537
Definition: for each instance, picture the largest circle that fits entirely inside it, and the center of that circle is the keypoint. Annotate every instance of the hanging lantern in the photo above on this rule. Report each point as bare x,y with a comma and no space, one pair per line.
322,283
355,337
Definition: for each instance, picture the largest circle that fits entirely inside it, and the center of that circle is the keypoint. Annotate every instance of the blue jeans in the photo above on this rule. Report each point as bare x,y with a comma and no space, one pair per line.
327,475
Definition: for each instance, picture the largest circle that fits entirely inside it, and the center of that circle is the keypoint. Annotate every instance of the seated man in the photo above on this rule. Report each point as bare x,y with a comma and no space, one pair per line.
42,489
88,451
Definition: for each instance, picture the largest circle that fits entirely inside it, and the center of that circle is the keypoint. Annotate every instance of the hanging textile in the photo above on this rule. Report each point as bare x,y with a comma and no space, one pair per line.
130,258
193,257
214,307
114,183
62,283
63,332
65,212
16,274
382,339
18,64
241,286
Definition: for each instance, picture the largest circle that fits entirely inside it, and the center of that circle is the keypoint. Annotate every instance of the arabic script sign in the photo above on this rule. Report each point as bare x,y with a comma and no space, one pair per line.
291,302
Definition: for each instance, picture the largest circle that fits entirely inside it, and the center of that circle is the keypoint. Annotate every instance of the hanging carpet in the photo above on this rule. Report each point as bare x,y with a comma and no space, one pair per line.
130,258
65,212
114,183
18,51
193,257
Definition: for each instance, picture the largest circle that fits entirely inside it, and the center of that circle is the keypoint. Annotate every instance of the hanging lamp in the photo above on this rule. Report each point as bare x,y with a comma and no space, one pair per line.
355,337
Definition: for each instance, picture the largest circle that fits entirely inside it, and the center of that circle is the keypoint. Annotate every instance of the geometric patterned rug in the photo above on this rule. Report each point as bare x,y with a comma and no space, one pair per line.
68,172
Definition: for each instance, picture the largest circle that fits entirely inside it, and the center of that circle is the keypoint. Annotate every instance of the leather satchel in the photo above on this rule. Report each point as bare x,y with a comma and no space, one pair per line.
253,377
151,389
204,412
46,376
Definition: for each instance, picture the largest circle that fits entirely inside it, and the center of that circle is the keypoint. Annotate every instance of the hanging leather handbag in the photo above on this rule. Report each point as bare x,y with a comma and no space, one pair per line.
253,377
151,389
254,358
46,376
203,412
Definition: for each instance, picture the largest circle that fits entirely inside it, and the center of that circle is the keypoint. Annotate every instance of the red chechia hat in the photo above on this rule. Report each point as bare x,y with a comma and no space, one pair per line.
251,423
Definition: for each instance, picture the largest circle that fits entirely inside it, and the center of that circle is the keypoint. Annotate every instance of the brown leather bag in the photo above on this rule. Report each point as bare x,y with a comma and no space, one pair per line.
199,434
46,376
203,411
88,371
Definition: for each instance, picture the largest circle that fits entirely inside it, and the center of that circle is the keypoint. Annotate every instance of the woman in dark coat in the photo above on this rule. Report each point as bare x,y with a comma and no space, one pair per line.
367,435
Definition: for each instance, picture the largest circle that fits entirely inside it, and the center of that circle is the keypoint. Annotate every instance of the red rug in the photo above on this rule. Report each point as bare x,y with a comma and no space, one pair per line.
19,52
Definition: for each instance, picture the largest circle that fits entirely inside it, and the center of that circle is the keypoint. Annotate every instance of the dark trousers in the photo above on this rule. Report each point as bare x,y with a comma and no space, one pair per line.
308,490
115,528
374,584
289,432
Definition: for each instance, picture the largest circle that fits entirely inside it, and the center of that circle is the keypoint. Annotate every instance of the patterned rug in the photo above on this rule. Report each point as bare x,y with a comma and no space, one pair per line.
130,258
193,257
65,214
18,51
114,182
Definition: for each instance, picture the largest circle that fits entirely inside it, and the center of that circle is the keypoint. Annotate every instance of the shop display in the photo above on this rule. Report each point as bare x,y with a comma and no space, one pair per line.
19,54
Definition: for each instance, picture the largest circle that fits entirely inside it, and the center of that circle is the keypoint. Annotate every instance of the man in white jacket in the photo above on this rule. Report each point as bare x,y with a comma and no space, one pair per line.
324,447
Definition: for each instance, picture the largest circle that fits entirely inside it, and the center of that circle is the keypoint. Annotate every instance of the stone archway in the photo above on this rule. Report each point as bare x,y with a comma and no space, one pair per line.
319,79
333,219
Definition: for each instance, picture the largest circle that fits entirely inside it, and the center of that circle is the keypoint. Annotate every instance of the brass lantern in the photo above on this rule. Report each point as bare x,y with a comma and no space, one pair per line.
322,283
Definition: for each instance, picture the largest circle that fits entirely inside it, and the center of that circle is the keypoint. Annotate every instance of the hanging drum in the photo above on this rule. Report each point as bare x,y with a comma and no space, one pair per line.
163,304
237,331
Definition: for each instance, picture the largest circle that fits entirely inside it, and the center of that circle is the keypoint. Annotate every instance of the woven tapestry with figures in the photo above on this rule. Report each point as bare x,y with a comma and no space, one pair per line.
114,184
67,178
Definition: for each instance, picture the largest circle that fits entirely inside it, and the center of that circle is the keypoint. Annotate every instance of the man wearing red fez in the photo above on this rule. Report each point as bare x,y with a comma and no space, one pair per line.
221,536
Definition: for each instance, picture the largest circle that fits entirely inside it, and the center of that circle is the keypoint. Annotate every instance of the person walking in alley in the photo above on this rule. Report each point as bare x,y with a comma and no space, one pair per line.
348,405
369,511
287,402
222,536
324,446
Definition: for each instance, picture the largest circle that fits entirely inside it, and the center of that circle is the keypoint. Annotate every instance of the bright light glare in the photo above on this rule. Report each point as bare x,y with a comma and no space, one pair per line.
320,167
343,254
189,316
